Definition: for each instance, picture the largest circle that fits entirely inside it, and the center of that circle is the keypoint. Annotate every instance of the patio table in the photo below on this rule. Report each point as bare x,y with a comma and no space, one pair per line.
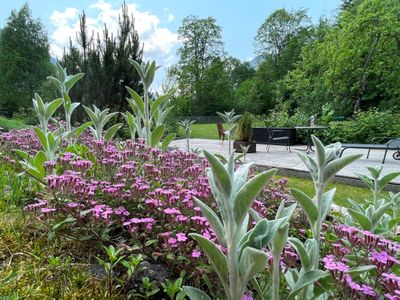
310,130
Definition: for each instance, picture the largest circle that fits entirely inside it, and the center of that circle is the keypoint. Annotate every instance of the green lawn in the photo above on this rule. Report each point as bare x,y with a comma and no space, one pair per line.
203,131
207,131
343,191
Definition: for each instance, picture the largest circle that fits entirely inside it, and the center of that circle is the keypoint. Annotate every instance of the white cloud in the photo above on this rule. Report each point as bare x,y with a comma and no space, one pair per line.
159,42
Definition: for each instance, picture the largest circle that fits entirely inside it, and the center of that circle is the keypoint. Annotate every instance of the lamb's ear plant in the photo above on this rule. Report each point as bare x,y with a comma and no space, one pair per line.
149,115
371,217
230,119
100,119
301,283
244,257
132,124
375,182
186,125
245,149
50,142
45,111
394,200
64,83
224,160
322,168
33,166
277,244
380,214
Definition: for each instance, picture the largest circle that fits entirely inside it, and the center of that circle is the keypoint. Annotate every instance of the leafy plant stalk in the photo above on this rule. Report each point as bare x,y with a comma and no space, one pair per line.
322,168
186,125
234,195
230,119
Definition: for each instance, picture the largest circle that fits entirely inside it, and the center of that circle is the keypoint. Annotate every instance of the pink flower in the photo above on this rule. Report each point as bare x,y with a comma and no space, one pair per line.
196,253
181,237
172,211
46,210
172,242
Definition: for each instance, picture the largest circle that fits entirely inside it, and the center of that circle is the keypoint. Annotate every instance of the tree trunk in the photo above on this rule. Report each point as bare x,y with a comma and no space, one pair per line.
363,81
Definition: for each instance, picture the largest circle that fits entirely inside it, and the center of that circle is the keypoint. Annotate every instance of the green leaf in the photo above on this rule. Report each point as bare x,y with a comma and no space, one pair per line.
387,179
109,116
42,137
138,100
195,293
252,262
72,79
22,154
262,234
52,107
375,172
393,222
159,101
91,114
74,105
361,219
310,164
364,178
354,272
40,158
319,151
220,175
305,280
255,215
156,135
285,211
241,175
54,81
280,239
34,173
332,168
167,140
137,67
326,203
82,128
377,215
67,220
301,251
214,221
230,166
215,255
112,131
248,193
307,204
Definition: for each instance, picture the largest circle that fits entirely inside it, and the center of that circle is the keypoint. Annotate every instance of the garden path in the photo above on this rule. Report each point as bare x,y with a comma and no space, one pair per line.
286,162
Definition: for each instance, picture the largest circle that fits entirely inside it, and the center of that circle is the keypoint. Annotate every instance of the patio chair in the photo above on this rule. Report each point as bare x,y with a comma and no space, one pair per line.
276,136
221,133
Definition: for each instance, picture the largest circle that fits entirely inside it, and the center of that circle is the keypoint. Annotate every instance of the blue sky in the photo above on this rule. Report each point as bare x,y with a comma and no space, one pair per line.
158,20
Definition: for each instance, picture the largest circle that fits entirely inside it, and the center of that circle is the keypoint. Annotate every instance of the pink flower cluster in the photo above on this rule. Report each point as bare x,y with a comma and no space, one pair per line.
132,192
356,248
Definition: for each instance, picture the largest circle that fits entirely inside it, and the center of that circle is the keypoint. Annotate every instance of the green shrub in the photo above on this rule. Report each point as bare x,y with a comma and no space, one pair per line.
27,115
281,118
363,128
244,129
9,124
